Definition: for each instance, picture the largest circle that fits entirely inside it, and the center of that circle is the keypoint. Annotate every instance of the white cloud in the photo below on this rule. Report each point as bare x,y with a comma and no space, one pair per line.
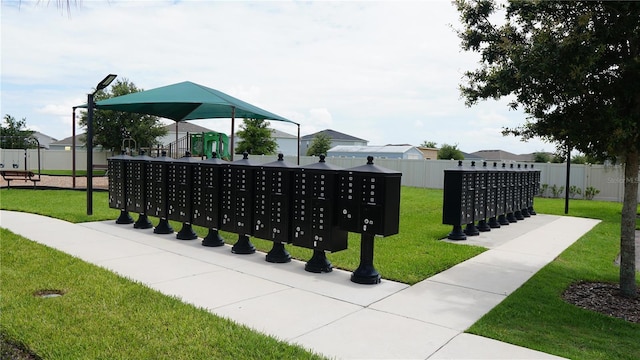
387,72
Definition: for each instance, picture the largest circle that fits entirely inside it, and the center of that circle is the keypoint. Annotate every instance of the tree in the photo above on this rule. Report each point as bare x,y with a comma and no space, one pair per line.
573,68
429,144
256,138
110,128
320,144
579,159
15,135
541,157
448,152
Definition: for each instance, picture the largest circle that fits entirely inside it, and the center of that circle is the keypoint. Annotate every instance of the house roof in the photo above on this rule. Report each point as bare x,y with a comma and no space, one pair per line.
501,155
185,126
68,141
282,135
333,135
396,149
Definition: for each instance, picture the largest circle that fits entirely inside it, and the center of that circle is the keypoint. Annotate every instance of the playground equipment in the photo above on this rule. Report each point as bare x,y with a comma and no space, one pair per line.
206,143
8,145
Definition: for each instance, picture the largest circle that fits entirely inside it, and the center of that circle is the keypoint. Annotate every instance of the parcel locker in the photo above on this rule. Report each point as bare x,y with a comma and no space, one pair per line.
369,199
314,222
237,196
117,181
207,187
273,200
179,188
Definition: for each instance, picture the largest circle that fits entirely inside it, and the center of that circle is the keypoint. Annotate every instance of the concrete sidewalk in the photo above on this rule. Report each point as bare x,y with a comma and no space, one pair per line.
326,313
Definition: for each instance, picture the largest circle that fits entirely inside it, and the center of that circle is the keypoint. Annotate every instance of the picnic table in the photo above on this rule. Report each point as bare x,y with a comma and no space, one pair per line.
26,175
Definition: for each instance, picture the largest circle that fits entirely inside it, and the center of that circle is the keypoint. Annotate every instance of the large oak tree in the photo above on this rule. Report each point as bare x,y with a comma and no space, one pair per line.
574,68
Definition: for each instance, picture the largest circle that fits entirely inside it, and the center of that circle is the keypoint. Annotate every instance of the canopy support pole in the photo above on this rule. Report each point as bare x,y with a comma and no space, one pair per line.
233,123
73,149
298,144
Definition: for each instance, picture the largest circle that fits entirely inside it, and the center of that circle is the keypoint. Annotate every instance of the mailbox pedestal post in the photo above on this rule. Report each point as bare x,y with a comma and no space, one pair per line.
366,273
243,246
318,263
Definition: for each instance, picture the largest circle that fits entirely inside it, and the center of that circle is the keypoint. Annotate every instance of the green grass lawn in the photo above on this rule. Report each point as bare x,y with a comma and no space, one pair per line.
534,316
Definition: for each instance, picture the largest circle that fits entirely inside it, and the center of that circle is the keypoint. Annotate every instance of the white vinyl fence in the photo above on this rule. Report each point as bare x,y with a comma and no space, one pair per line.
609,180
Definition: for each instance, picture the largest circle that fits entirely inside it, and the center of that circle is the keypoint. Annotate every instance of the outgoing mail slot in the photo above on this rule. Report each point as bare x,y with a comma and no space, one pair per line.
369,198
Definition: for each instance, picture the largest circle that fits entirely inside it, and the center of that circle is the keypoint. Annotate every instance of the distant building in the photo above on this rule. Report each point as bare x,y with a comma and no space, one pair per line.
183,128
429,153
67,143
501,156
337,139
380,152
43,139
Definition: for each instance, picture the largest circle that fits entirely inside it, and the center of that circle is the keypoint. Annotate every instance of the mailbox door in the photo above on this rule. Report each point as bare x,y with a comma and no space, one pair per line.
116,184
157,188
351,192
179,191
227,210
453,211
206,193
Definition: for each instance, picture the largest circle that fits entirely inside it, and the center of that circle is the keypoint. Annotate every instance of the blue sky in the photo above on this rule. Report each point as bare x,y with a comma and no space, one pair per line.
387,72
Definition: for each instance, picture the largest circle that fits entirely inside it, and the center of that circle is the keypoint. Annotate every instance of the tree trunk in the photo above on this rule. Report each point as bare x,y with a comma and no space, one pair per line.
628,225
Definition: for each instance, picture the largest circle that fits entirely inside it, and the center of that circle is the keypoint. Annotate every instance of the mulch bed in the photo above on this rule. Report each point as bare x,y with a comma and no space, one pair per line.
604,298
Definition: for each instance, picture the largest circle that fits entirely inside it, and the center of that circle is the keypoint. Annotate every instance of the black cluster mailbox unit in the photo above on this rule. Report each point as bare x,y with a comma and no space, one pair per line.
369,198
313,206
489,196
314,213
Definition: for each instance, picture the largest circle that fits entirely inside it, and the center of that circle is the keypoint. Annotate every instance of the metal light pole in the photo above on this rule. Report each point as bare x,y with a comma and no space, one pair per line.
101,85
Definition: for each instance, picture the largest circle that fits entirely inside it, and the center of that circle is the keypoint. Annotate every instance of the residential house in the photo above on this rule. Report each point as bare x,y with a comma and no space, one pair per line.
337,139
380,152
502,156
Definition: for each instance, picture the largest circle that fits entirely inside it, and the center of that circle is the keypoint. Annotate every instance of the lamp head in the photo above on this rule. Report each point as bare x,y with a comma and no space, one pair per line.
105,82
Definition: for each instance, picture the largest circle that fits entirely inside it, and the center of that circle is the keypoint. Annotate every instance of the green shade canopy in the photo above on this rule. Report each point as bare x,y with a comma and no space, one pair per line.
186,101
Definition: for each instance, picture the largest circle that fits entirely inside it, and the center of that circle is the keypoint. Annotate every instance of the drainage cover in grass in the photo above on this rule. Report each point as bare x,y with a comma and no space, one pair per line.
48,293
